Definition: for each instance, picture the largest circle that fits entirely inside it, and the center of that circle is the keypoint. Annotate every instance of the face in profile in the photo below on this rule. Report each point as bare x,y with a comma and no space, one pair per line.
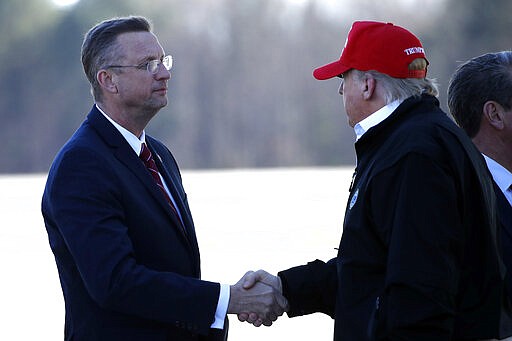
139,88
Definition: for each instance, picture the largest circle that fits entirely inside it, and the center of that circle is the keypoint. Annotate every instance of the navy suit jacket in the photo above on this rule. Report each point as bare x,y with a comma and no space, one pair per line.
127,269
505,222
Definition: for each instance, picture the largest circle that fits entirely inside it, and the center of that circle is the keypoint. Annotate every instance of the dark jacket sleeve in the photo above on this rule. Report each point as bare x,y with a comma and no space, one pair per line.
310,288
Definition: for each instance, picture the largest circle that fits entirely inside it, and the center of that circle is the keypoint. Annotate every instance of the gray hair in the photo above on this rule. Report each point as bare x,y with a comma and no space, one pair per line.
484,78
401,88
99,47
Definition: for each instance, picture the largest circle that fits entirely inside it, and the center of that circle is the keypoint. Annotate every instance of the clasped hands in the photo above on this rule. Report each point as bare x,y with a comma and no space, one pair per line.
257,298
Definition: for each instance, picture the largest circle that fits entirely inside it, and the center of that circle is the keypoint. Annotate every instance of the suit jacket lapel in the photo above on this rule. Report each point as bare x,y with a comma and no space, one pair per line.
125,154
178,195
132,161
171,181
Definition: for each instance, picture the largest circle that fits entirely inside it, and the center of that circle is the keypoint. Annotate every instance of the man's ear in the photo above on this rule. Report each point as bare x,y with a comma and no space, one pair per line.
368,86
493,113
107,80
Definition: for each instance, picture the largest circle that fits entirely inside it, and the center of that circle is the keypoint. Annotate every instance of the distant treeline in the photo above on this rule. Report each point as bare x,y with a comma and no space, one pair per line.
241,93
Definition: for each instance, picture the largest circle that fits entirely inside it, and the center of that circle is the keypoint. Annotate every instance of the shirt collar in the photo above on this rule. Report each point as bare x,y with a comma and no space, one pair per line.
500,174
375,118
134,141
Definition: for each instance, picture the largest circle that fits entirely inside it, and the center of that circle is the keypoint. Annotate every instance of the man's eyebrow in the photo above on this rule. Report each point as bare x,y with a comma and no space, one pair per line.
146,59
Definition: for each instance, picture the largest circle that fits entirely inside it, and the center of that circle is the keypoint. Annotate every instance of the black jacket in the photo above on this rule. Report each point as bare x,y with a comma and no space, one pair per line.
418,259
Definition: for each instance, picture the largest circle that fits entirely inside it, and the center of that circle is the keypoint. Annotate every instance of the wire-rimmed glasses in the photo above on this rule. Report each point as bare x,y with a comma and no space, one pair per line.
151,66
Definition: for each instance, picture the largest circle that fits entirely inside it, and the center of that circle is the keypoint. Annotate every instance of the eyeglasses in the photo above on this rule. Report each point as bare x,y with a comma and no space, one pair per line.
151,66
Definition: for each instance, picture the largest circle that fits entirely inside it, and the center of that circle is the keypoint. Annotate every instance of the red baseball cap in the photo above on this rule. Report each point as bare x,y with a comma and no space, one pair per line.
378,46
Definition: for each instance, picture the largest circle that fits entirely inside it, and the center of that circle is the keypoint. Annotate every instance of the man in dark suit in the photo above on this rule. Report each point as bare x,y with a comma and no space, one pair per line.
480,100
117,215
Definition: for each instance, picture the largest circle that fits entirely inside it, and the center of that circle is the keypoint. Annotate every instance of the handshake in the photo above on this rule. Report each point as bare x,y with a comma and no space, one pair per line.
257,298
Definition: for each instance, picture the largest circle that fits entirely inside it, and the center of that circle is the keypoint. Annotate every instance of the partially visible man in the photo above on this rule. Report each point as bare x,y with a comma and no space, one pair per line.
418,258
117,215
480,100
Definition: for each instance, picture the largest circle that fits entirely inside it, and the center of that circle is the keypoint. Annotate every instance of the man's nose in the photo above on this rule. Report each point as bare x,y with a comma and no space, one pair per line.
162,72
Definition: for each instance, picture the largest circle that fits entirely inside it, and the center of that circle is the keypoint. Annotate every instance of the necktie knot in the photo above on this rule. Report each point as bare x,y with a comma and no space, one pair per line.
147,159
149,162
145,153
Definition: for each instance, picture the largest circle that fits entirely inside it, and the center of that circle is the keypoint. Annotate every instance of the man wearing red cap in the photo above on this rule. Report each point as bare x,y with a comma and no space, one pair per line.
418,259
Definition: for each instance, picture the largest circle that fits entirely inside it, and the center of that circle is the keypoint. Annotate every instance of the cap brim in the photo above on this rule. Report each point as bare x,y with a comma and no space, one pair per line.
330,70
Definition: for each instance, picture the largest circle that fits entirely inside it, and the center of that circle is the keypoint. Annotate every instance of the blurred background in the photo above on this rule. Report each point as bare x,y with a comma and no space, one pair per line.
242,94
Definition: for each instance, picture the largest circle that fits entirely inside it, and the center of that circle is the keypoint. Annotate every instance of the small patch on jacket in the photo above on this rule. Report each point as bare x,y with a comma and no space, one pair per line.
354,199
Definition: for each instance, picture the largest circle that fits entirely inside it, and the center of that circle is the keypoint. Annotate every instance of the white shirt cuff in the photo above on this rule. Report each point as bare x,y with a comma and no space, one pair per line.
222,307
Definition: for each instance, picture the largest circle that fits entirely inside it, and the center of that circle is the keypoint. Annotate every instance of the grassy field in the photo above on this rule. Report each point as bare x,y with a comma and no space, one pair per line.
245,220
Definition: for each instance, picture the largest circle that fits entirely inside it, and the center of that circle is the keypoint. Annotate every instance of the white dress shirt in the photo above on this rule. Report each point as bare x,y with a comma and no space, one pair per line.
501,176
375,118
136,144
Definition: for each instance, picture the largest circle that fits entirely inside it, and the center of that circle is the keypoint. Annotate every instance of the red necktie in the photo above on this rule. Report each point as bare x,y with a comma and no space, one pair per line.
147,158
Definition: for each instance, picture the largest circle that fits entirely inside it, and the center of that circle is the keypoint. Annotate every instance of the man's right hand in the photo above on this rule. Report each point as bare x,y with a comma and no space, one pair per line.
257,298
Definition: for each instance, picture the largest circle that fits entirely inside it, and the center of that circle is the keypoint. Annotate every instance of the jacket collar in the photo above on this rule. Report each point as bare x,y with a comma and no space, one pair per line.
409,109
